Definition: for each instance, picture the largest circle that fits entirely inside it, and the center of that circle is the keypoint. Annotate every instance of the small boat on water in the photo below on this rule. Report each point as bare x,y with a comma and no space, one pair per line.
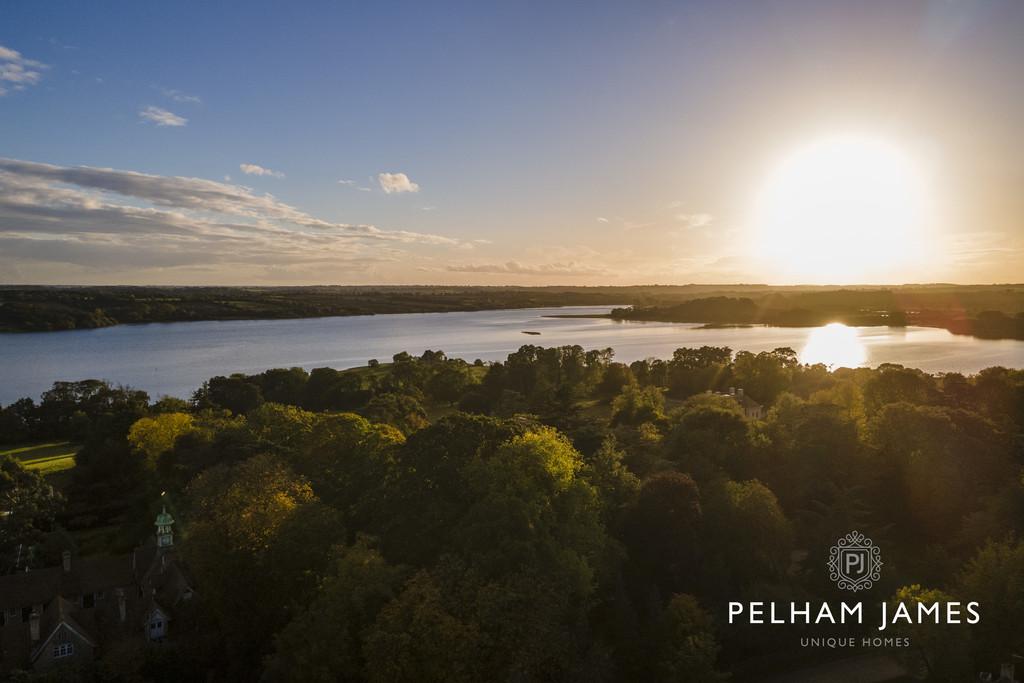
530,332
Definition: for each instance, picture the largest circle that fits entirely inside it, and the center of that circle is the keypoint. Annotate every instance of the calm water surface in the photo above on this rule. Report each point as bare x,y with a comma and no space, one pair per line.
175,358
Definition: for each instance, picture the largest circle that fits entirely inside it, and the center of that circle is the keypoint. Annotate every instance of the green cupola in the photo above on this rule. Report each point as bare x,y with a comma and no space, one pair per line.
164,533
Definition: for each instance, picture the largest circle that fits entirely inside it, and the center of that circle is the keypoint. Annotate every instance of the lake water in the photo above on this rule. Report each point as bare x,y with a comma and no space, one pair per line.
175,358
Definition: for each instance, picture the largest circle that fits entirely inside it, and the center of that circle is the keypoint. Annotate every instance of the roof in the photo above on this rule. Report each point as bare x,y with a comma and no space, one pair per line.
746,401
35,587
740,397
87,575
59,612
164,518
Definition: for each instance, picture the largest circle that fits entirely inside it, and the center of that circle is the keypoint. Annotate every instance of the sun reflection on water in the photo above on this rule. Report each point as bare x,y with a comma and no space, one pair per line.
834,345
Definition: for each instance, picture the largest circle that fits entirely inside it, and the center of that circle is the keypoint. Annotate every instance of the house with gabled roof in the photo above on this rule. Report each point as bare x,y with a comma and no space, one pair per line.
752,410
59,615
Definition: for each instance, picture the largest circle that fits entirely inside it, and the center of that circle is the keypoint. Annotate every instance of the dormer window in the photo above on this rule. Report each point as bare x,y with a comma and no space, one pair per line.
157,628
63,650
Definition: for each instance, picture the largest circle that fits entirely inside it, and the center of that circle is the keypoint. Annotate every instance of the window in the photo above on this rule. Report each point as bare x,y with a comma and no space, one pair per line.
63,650
26,612
88,600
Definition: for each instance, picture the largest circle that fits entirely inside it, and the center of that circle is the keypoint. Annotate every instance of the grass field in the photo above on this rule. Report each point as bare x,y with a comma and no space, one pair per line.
46,458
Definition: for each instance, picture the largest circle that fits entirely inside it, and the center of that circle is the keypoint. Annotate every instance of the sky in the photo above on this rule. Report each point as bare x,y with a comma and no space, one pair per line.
526,143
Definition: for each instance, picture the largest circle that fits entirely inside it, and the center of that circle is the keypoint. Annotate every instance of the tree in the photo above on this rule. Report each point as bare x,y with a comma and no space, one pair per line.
662,531
235,393
616,485
329,389
895,384
401,410
241,543
416,637
154,436
514,543
994,577
29,507
349,461
449,382
939,651
684,642
746,537
693,370
710,436
326,641
281,385
767,374
811,449
636,405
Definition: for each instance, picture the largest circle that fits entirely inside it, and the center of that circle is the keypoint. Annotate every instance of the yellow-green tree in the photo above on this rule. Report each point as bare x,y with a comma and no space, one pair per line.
154,436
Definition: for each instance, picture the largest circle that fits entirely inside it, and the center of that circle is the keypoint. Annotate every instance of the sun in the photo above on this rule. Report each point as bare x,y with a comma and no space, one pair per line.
842,210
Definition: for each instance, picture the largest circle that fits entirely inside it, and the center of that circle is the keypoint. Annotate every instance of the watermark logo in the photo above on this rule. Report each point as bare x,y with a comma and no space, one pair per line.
854,562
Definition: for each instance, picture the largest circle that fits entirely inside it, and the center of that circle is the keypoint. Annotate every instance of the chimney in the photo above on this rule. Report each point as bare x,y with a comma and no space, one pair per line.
33,625
65,558
740,391
122,605
732,391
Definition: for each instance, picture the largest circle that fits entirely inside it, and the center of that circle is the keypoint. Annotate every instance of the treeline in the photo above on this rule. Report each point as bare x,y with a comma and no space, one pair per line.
40,309
558,516
959,308
851,307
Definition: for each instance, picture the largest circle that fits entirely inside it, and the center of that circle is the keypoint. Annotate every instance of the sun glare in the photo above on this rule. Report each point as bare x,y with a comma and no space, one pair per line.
834,345
842,210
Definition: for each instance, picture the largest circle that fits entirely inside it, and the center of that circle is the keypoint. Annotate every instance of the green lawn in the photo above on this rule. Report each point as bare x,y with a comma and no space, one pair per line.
46,458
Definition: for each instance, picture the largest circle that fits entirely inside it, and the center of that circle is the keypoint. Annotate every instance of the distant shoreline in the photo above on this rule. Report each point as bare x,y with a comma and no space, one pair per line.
983,311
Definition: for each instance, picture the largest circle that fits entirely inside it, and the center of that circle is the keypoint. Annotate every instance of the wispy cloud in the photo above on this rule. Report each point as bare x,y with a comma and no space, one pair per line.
18,72
516,268
346,182
94,217
695,220
602,219
179,96
161,117
393,183
256,169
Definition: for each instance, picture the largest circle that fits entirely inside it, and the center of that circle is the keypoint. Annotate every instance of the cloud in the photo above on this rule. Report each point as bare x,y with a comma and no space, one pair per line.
255,169
570,268
602,219
695,220
346,182
18,72
94,217
162,117
179,96
393,183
